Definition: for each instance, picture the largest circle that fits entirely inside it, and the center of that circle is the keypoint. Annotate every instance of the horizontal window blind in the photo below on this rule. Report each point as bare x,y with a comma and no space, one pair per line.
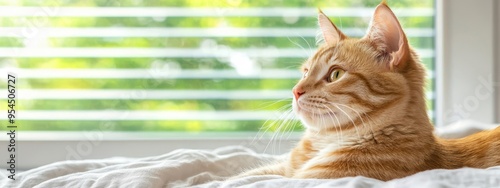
174,66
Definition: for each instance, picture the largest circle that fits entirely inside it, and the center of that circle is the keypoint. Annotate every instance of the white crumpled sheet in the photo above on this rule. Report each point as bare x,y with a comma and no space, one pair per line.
182,168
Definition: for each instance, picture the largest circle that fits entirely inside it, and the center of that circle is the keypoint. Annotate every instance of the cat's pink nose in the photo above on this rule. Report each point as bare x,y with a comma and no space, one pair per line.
297,92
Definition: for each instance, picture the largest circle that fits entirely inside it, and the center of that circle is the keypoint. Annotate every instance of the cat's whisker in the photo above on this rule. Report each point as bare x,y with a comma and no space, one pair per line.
276,132
294,123
291,122
279,127
341,26
271,140
260,134
319,38
269,126
352,121
341,135
310,49
294,66
355,111
338,122
313,112
322,121
293,42
275,102
286,124
359,115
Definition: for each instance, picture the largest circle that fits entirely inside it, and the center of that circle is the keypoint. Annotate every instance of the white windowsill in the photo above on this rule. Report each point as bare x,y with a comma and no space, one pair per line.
35,149
128,135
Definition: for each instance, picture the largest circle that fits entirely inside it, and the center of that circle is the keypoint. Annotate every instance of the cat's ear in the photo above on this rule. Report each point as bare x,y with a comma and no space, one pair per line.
388,36
330,32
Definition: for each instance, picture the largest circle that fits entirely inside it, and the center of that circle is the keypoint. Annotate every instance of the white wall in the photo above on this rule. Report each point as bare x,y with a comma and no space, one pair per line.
497,60
41,148
466,60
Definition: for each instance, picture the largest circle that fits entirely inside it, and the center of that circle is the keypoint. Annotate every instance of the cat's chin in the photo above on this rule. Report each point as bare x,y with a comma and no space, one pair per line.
318,122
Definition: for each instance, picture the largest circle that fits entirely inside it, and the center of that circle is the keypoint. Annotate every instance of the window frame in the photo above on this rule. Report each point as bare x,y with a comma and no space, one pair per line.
453,51
497,59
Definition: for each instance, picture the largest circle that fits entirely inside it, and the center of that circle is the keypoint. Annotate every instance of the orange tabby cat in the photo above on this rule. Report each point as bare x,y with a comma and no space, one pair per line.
363,105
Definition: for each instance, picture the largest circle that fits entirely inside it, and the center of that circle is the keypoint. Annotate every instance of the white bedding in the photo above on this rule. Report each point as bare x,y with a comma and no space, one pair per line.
182,168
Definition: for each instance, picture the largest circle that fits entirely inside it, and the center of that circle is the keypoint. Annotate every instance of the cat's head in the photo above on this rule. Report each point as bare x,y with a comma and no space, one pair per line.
349,81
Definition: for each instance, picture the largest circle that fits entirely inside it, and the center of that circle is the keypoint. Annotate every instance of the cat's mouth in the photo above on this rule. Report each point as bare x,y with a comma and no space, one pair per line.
318,114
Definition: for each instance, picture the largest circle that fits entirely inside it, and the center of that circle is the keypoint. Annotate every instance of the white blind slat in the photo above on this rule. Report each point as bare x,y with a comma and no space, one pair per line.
123,115
168,52
123,94
202,12
194,32
154,73
130,115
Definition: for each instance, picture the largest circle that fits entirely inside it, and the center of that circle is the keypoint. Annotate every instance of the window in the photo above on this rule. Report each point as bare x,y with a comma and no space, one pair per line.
174,65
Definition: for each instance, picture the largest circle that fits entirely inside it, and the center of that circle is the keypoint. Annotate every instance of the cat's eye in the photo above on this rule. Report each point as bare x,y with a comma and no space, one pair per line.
335,74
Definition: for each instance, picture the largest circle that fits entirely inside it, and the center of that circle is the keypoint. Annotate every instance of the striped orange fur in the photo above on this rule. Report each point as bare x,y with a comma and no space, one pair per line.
370,118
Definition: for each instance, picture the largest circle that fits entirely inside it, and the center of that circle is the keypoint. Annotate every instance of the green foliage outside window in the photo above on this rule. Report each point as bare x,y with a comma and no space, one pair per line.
192,125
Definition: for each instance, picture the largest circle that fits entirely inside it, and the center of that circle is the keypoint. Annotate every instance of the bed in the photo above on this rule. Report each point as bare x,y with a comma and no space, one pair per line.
210,168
